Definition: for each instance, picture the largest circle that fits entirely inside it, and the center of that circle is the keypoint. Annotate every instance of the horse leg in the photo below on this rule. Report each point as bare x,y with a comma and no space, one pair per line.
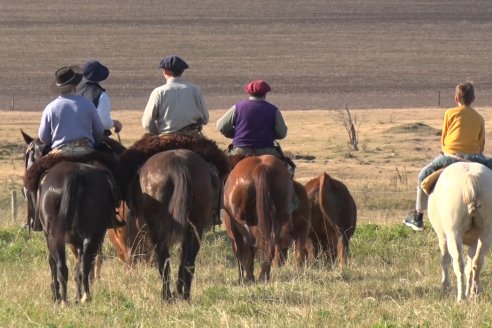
96,266
455,248
477,262
238,246
265,270
445,263
76,271
87,260
55,285
248,258
62,270
78,277
472,250
189,251
58,258
164,270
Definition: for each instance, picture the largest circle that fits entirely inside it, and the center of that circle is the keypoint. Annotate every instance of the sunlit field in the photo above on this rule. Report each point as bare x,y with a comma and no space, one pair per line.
393,276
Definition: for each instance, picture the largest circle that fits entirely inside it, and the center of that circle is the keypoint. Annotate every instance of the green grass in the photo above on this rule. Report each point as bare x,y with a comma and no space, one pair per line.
393,280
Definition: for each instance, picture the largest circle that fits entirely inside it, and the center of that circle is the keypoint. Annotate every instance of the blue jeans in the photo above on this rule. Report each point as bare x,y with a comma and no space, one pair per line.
439,162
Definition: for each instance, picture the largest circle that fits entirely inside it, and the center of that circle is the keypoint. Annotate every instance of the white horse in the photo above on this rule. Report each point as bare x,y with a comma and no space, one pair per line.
460,211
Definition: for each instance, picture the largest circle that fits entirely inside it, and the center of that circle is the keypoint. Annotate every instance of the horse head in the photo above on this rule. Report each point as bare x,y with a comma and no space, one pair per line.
35,150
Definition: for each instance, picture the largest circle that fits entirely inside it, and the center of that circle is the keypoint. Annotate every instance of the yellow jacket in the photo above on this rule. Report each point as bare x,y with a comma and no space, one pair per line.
463,131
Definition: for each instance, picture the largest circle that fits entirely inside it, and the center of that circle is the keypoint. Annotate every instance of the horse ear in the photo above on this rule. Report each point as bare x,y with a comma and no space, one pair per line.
26,137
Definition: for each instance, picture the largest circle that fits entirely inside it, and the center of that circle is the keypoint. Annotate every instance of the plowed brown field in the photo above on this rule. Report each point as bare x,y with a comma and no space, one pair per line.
315,53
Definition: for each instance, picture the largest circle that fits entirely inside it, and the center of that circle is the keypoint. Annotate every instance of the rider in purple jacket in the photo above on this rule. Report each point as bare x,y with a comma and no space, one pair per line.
253,124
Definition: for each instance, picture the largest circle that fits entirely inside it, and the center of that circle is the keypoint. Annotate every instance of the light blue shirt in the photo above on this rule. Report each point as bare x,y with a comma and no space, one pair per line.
68,118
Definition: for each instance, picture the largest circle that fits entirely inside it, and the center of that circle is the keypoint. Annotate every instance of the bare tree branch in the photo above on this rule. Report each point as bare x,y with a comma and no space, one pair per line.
349,123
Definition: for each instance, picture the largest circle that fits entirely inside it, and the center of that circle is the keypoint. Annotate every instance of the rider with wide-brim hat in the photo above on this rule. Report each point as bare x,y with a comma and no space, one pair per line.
70,120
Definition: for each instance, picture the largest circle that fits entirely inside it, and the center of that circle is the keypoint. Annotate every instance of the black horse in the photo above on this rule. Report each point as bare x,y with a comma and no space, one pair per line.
174,194
75,204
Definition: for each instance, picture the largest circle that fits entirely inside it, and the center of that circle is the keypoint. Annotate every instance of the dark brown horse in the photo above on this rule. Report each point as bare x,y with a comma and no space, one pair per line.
257,196
75,204
174,195
333,217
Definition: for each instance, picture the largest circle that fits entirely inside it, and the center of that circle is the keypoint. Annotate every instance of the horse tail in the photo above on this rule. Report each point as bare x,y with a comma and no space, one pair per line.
471,191
114,196
180,200
71,194
265,213
341,243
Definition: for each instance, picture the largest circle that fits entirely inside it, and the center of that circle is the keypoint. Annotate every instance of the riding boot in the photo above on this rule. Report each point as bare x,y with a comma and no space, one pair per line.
414,220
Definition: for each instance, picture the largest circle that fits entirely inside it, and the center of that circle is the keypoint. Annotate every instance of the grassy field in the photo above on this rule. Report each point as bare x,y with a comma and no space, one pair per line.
393,279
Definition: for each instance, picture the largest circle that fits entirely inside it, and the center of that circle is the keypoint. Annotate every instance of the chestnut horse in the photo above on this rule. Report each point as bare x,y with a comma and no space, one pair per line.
257,196
333,217
298,231
174,195
75,203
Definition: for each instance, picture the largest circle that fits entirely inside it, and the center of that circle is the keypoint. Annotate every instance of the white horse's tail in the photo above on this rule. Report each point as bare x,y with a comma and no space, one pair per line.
471,192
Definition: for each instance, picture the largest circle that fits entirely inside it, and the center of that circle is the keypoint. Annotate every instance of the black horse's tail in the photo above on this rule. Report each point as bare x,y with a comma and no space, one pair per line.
180,199
71,194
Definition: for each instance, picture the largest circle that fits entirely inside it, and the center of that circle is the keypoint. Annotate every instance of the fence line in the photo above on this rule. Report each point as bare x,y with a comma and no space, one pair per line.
382,192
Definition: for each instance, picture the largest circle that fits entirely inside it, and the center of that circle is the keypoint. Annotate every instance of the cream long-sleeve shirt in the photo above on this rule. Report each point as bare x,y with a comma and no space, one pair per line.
173,106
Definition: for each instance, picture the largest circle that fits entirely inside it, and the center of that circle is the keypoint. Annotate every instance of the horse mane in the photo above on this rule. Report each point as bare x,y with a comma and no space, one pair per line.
34,173
149,145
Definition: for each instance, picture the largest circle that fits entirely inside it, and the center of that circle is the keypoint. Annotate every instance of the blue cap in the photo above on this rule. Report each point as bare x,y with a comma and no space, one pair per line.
173,63
95,71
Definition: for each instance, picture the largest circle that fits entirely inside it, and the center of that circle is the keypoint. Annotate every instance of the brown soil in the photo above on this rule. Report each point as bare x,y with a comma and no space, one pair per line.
315,54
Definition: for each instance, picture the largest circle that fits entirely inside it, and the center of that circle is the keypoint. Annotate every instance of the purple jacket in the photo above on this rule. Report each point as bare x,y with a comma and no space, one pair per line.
254,124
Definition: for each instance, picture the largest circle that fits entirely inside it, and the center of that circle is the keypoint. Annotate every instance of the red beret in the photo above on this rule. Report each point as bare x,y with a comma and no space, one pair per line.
258,88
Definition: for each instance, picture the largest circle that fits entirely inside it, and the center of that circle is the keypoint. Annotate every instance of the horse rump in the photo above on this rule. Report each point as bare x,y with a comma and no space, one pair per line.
334,217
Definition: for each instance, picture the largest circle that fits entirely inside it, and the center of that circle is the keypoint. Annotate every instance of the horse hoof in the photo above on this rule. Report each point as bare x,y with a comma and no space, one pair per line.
85,298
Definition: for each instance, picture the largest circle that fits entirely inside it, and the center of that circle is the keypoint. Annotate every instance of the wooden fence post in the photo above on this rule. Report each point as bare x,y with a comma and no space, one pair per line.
14,205
12,104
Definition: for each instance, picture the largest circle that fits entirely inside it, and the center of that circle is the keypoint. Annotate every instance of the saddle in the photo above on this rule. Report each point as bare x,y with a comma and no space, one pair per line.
278,152
427,185
149,145
431,174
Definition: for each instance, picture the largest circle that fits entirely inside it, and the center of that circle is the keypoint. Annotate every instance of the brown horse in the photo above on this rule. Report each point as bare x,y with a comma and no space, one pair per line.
75,204
298,231
257,196
132,242
175,197
333,217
